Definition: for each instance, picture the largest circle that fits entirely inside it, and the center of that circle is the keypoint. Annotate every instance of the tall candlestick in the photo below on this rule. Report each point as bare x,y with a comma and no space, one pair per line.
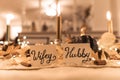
8,33
58,28
109,24
8,30
9,17
58,33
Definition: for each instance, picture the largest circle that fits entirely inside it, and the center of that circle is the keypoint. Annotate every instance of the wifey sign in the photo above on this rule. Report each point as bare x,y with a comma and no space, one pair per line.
43,55
76,54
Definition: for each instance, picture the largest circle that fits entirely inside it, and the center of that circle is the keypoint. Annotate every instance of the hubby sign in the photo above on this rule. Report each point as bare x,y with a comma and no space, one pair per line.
76,54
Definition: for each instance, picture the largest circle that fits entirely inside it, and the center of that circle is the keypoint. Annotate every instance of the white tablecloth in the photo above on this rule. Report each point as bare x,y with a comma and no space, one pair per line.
62,73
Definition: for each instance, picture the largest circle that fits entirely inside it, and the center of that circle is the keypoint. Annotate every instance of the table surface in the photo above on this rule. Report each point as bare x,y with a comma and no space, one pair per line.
62,73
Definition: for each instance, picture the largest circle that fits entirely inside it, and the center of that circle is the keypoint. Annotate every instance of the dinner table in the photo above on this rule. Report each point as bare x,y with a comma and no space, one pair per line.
62,73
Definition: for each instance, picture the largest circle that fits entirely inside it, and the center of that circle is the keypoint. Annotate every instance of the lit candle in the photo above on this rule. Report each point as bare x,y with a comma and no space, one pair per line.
7,30
58,21
8,19
110,25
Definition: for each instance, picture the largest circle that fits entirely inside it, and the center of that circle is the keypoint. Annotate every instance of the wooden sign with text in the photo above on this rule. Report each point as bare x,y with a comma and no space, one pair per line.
43,55
76,54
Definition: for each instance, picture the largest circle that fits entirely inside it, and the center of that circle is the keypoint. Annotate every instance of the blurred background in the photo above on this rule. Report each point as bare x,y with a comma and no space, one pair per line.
36,19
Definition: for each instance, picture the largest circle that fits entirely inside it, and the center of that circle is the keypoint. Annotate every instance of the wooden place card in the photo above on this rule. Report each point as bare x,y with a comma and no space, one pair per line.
43,55
76,54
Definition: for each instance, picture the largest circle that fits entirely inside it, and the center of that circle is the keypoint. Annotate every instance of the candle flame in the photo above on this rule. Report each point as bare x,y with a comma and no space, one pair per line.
108,15
9,17
58,9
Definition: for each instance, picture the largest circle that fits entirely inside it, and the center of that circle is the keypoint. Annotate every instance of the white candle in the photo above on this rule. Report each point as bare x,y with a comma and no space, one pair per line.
58,15
110,25
8,19
7,30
